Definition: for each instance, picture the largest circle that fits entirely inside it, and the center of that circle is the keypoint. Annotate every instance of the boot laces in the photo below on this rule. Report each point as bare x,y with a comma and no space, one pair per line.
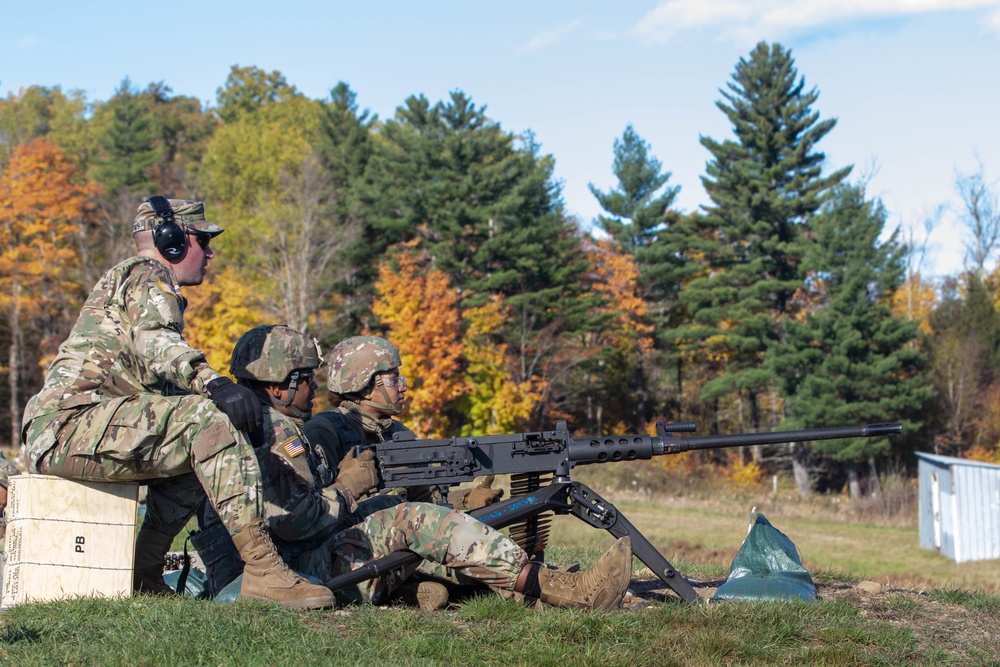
272,549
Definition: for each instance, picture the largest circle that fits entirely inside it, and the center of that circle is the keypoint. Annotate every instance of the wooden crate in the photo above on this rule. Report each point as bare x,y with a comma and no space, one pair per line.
67,538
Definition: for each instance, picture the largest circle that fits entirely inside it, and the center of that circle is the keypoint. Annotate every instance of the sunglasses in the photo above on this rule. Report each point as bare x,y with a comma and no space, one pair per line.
203,238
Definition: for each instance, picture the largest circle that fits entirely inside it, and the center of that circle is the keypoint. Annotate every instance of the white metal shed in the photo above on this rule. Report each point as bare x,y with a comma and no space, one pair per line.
959,507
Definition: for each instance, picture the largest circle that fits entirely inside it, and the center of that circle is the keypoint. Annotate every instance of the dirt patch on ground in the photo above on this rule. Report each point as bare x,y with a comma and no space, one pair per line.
953,626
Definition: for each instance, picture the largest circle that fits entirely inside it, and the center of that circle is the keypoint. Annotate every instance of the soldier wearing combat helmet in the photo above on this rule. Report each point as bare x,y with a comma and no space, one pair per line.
323,532
365,384
127,399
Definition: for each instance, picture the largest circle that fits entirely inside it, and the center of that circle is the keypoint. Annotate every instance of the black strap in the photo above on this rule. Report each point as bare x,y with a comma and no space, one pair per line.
186,568
161,207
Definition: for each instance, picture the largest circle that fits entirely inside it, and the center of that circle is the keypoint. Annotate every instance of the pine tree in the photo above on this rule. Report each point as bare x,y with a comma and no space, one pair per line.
129,143
487,209
849,360
764,186
640,218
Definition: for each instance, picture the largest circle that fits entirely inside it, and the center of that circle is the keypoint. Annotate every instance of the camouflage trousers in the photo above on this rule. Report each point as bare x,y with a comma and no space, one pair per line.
182,446
437,534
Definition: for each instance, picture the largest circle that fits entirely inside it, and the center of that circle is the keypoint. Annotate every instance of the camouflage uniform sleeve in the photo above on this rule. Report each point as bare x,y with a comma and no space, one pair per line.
154,308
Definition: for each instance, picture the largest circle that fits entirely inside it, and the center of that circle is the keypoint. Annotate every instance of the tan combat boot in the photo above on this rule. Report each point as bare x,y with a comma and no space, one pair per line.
601,587
427,595
151,548
267,577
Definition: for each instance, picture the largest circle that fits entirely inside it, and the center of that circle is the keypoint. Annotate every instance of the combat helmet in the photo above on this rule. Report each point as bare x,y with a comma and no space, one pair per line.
273,353
355,361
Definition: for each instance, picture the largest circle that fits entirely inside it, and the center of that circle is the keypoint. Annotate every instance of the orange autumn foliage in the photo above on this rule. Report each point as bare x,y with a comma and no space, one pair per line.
617,281
420,309
219,311
43,205
495,403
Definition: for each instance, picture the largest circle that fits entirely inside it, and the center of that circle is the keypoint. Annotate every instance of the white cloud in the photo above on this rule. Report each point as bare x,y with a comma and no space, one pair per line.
992,22
744,20
548,37
27,42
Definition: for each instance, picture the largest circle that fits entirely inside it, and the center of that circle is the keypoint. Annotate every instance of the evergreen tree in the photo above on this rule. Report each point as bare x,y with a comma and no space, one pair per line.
487,209
764,186
849,360
184,129
129,143
641,220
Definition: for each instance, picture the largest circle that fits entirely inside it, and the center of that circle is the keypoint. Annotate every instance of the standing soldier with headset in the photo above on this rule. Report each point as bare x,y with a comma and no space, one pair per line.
127,399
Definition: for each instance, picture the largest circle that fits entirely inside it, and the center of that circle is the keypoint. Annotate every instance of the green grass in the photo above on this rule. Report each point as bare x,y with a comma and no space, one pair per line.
486,631
936,622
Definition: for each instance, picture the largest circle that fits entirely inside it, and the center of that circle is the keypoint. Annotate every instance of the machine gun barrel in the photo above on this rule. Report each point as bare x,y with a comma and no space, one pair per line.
675,445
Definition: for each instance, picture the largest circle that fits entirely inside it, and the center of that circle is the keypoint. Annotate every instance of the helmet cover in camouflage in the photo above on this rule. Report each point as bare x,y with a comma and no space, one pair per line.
187,213
354,360
270,352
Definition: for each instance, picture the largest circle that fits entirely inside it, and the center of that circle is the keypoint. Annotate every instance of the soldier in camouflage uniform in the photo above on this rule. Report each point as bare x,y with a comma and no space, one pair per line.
365,386
315,526
127,399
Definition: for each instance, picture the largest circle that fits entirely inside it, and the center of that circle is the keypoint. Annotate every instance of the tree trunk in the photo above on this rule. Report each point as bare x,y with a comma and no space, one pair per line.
875,486
640,391
800,468
853,481
14,373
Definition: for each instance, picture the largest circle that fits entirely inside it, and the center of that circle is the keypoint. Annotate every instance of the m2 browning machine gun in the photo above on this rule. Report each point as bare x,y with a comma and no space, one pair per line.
540,463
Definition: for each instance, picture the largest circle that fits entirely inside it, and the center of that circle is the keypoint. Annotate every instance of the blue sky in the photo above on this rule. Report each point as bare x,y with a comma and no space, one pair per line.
913,83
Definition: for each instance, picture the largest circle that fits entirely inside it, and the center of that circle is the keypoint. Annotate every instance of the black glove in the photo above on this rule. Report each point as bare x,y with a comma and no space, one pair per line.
238,403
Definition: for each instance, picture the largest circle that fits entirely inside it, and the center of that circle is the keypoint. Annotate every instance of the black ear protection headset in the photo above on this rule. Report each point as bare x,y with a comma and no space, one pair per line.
168,236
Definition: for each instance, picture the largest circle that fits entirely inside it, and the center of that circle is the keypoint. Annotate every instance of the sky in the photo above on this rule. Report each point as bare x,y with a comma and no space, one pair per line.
913,84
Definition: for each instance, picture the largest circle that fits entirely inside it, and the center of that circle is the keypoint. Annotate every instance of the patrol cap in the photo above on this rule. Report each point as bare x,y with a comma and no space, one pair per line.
187,213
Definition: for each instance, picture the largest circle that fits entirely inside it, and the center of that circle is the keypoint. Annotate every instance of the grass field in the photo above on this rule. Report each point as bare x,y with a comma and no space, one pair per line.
922,609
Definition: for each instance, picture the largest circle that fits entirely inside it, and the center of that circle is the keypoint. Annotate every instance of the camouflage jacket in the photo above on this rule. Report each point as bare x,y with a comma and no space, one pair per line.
127,340
297,507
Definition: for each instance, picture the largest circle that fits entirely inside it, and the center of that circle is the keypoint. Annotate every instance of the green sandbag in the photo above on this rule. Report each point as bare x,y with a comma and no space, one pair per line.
767,567
231,593
195,585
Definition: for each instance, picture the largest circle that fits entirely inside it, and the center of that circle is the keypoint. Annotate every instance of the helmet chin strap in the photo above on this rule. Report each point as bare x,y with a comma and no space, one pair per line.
293,383
386,407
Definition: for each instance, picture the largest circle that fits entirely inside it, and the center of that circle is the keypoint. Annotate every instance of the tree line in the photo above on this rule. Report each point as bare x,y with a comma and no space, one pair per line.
783,302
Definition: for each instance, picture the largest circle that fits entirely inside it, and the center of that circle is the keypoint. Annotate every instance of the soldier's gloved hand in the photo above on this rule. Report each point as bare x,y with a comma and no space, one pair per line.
482,495
358,472
238,403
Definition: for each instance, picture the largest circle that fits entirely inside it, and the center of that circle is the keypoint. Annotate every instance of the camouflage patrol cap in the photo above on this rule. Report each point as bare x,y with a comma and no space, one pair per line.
354,360
270,352
187,213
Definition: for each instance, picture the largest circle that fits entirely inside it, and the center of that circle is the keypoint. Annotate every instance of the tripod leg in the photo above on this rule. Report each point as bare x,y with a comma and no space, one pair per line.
598,512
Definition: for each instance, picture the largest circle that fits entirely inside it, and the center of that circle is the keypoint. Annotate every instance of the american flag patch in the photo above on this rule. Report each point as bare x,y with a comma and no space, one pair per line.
293,448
